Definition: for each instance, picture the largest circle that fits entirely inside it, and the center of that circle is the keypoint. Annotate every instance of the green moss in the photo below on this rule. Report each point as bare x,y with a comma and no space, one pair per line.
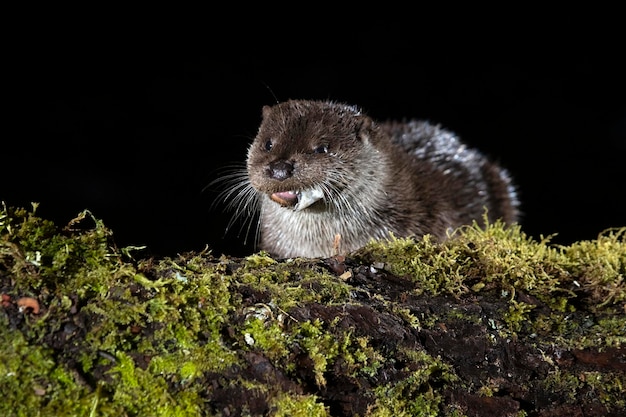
475,259
279,343
503,260
291,283
268,337
174,320
612,330
361,358
259,260
562,383
407,316
608,387
419,394
117,336
320,346
298,406
26,374
435,269
599,267
518,315
138,392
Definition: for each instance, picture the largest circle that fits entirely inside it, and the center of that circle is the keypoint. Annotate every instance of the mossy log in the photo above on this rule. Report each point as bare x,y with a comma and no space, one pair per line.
488,323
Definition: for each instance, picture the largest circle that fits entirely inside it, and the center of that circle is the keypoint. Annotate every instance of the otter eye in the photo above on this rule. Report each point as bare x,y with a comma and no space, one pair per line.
268,145
321,149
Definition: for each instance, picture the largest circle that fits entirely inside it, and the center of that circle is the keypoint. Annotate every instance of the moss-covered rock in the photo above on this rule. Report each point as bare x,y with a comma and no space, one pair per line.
490,322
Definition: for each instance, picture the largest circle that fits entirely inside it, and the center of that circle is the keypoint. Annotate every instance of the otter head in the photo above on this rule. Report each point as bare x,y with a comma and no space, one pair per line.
305,151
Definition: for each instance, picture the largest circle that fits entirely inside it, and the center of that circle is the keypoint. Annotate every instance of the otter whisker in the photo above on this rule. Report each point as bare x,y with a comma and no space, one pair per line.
407,178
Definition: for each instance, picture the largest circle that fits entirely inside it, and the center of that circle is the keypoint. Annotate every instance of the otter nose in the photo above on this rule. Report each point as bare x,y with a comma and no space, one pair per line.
280,170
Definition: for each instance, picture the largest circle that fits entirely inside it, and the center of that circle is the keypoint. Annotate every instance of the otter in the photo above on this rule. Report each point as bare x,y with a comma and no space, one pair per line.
327,178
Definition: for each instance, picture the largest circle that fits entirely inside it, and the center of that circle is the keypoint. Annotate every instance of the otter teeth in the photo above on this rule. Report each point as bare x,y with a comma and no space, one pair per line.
299,200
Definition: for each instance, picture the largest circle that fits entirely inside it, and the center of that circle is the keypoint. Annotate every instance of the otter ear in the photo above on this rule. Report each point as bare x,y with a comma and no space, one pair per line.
364,128
266,111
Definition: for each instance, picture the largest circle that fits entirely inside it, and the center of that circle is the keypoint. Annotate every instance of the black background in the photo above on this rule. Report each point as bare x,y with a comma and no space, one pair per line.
134,131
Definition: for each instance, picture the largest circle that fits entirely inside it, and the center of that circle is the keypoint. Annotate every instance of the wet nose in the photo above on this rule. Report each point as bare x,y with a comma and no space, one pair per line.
280,170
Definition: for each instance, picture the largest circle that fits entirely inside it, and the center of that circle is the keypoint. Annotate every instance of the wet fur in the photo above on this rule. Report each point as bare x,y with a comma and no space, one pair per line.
408,179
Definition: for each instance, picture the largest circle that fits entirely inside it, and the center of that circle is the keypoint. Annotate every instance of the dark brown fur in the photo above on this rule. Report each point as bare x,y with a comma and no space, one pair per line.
408,179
